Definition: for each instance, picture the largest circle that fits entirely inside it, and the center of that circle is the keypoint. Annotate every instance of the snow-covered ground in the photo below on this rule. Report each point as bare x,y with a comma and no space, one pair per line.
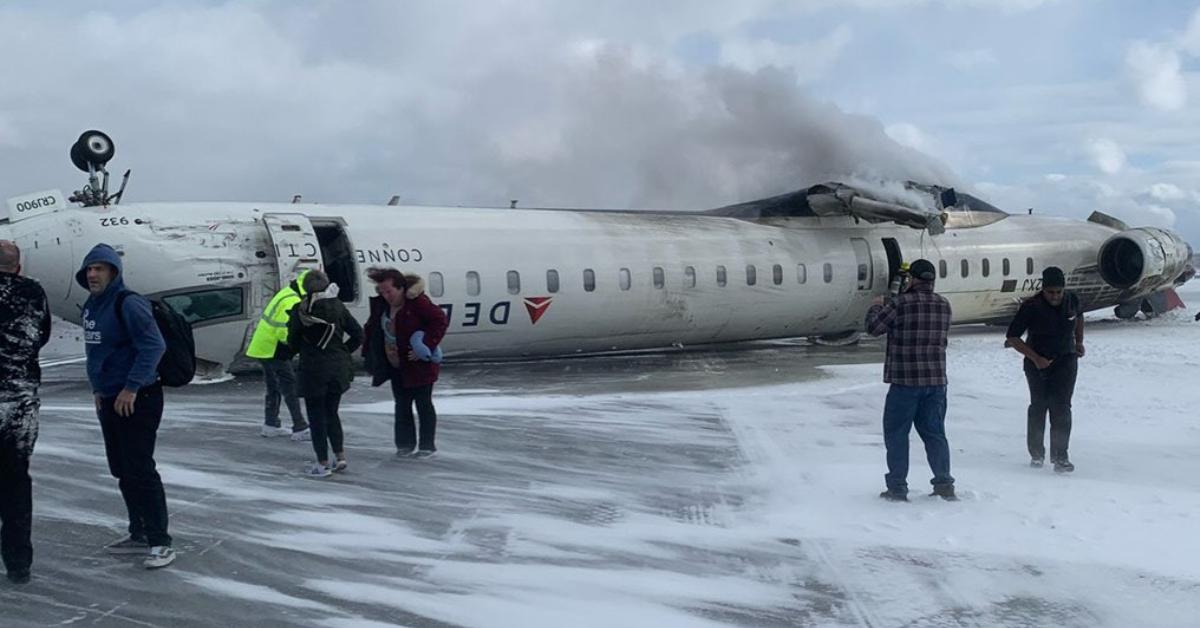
714,489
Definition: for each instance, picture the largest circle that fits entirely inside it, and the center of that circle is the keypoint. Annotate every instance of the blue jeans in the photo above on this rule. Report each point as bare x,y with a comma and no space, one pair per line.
925,407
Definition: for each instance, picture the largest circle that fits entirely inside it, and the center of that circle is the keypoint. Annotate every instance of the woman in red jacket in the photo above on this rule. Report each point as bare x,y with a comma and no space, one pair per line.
402,338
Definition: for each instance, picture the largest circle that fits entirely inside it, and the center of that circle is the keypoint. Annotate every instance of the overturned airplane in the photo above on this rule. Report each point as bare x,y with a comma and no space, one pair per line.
520,283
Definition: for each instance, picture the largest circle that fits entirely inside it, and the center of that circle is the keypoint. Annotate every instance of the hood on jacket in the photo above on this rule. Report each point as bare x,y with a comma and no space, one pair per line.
416,285
298,283
108,255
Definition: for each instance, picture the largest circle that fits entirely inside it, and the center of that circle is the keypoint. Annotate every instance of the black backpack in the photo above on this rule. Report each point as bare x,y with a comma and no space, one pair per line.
177,366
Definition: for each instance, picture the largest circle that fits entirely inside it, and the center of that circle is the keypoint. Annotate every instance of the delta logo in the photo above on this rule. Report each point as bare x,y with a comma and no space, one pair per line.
537,307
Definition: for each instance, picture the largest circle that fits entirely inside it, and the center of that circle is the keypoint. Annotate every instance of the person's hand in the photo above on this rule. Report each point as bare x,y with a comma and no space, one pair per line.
1079,349
1042,363
1198,316
97,403
879,300
412,357
125,402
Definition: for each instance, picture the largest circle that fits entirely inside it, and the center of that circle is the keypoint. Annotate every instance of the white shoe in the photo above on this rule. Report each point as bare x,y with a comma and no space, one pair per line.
317,470
160,556
269,431
302,435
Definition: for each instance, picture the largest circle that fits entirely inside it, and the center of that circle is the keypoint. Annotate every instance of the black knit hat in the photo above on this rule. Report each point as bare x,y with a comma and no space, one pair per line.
1053,277
923,269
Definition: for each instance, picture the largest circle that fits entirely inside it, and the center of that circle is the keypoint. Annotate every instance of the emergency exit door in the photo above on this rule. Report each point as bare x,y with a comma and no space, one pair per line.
865,265
295,244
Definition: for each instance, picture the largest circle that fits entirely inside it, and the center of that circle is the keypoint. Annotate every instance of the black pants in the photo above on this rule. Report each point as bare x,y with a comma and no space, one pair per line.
1051,389
17,436
324,421
280,378
405,428
129,444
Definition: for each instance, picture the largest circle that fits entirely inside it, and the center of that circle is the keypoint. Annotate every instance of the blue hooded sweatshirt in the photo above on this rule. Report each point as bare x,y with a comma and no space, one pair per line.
118,357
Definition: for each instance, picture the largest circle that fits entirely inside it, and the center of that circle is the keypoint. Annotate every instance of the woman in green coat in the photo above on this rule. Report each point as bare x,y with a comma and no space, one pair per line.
325,335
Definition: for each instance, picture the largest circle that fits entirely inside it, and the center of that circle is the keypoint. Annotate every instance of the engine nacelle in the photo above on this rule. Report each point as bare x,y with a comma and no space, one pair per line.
1143,259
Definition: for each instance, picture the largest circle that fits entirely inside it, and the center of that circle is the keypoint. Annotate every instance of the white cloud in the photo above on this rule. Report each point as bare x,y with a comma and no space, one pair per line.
1166,192
967,60
811,60
1055,177
1157,72
1164,215
1107,155
9,136
909,135
1190,40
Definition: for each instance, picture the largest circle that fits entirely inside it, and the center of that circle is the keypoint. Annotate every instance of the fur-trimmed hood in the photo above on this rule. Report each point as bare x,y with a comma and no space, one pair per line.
416,285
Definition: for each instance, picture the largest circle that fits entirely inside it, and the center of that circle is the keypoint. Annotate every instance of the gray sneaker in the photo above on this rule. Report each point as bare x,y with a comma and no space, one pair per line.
128,546
425,453
160,556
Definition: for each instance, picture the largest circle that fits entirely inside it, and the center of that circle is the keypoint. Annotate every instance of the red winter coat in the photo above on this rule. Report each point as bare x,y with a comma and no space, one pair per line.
418,314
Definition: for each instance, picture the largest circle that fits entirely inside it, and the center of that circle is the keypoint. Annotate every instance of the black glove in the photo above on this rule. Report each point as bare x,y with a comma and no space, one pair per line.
1198,316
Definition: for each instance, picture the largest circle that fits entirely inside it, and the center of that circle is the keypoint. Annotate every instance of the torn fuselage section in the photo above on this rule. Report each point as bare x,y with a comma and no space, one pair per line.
921,206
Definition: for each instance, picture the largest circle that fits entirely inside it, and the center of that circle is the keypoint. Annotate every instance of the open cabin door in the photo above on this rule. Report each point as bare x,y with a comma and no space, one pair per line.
295,243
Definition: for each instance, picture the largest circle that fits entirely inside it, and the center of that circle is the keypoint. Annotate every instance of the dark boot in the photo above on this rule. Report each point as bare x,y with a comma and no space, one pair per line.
894,496
20,576
945,491
1036,463
1063,466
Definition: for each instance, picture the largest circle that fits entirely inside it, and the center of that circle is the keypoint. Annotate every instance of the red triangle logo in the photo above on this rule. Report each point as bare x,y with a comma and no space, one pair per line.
537,306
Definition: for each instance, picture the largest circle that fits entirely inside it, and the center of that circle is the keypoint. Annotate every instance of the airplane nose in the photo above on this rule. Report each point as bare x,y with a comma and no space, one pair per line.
47,254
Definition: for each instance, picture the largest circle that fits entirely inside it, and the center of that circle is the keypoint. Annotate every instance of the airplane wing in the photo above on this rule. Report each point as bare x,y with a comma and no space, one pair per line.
838,199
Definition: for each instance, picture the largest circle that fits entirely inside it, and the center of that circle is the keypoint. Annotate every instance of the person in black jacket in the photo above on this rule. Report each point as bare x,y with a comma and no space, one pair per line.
1054,321
316,329
24,330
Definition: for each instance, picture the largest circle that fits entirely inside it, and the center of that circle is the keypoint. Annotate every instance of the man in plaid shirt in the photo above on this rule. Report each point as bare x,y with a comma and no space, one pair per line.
916,323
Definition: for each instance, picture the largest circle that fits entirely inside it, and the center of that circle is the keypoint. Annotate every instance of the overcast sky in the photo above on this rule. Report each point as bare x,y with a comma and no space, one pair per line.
1062,105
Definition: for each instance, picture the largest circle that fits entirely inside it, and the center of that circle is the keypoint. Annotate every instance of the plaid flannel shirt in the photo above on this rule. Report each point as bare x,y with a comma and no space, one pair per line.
916,323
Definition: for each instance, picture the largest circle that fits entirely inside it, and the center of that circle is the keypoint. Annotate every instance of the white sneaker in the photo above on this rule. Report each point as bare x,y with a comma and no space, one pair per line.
302,435
269,431
317,470
160,556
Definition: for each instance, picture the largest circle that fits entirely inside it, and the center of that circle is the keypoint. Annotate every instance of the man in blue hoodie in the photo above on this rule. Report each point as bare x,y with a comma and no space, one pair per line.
122,364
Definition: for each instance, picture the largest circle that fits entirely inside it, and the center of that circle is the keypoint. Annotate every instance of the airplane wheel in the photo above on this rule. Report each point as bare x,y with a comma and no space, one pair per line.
93,147
1127,311
844,339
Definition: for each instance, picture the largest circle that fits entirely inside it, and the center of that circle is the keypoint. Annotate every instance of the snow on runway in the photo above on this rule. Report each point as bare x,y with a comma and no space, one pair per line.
708,489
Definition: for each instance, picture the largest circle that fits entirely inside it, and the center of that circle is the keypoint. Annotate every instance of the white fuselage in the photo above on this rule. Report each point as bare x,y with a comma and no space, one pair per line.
493,270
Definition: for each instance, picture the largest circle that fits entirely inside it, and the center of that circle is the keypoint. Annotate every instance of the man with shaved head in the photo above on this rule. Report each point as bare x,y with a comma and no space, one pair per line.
24,330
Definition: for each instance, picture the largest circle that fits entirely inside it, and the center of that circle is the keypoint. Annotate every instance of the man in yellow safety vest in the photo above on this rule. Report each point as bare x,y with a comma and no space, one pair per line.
269,347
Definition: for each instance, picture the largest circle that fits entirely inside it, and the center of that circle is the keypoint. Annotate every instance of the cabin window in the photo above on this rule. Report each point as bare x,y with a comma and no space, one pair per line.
207,305
943,269
589,280
828,272
660,278
689,277
1005,267
552,281
514,282
721,276
751,275
472,284
626,279
437,285
1029,266
801,273
966,268
777,274
987,268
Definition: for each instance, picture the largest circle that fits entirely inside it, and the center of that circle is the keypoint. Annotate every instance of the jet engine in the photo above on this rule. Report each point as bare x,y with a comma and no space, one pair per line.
1144,259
